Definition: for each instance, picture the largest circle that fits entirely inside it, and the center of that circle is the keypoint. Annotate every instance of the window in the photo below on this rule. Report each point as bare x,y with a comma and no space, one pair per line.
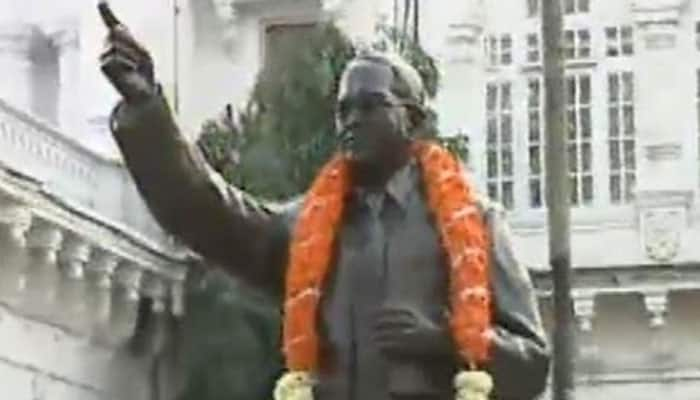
619,41
567,7
499,143
621,136
577,44
575,6
533,8
499,49
533,48
506,49
579,132
535,99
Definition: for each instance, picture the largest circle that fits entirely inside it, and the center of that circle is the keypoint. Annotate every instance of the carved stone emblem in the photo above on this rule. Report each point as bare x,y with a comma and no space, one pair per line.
661,230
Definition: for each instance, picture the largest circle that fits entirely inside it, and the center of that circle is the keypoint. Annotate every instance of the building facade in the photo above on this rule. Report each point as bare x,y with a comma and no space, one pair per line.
632,139
90,287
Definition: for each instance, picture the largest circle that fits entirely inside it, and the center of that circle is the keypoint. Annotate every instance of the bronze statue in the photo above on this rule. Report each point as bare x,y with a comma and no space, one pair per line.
397,280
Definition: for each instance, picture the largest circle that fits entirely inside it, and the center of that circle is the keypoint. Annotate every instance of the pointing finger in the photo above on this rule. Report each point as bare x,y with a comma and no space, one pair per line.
110,20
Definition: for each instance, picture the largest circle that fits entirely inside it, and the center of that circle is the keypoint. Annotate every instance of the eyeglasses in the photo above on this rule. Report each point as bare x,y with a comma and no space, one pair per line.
366,103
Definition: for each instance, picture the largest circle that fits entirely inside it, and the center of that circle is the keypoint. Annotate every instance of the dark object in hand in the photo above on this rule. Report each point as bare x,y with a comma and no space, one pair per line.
124,61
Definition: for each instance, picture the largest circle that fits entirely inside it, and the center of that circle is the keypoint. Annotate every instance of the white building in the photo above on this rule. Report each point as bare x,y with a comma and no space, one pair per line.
632,90
633,81
84,269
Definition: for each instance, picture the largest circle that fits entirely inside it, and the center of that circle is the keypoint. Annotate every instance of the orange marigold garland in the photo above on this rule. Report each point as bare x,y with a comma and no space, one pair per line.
464,238
310,255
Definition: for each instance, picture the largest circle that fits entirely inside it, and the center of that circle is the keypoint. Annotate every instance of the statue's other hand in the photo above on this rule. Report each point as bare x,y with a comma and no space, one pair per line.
124,61
402,331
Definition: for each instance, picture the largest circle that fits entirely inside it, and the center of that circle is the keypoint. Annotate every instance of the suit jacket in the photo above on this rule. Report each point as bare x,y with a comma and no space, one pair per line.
388,252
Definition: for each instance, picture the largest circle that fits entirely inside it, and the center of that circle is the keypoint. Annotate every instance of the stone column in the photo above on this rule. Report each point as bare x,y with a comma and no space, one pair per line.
70,113
15,219
461,98
153,333
125,304
44,241
72,292
664,186
99,274
656,306
584,311
15,64
177,298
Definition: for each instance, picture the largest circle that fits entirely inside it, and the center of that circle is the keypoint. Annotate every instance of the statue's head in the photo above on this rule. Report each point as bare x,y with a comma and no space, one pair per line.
380,105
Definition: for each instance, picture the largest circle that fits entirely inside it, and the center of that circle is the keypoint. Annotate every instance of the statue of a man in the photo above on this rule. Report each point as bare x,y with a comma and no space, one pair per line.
397,281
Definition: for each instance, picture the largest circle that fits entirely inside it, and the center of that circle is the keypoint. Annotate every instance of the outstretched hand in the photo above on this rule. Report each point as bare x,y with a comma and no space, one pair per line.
124,61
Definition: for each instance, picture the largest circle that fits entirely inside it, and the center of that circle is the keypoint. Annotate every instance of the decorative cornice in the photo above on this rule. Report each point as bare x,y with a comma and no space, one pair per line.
669,151
463,42
66,39
658,21
662,231
15,39
664,12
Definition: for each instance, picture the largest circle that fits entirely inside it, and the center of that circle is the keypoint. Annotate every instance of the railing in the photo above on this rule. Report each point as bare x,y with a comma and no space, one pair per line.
89,183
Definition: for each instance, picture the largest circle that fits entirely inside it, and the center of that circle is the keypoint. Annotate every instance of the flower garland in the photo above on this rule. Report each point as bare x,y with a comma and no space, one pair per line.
452,202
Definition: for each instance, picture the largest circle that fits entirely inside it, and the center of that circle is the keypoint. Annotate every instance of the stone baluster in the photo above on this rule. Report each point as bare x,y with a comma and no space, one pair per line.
153,330
73,287
125,301
15,219
656,306
584,311
655,302
44,241
177,298
99,274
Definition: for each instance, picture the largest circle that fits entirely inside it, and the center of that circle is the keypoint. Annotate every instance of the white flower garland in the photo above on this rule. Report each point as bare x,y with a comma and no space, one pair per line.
295,386
469,385
473,385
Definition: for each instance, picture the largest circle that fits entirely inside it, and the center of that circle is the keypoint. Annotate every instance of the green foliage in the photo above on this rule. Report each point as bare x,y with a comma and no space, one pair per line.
231,338
286,131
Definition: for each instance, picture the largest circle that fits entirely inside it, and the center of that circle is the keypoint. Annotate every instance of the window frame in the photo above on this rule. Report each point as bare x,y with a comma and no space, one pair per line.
580,174
535,142
500,178
621,136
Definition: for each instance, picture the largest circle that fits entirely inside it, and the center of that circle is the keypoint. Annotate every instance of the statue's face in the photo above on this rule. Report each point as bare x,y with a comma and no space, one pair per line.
371,120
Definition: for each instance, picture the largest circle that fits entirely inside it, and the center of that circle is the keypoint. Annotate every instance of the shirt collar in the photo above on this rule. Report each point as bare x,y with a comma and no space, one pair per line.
399,186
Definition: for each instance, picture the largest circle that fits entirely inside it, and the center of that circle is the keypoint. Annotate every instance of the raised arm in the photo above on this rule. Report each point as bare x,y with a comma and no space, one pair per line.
184,194
520,352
